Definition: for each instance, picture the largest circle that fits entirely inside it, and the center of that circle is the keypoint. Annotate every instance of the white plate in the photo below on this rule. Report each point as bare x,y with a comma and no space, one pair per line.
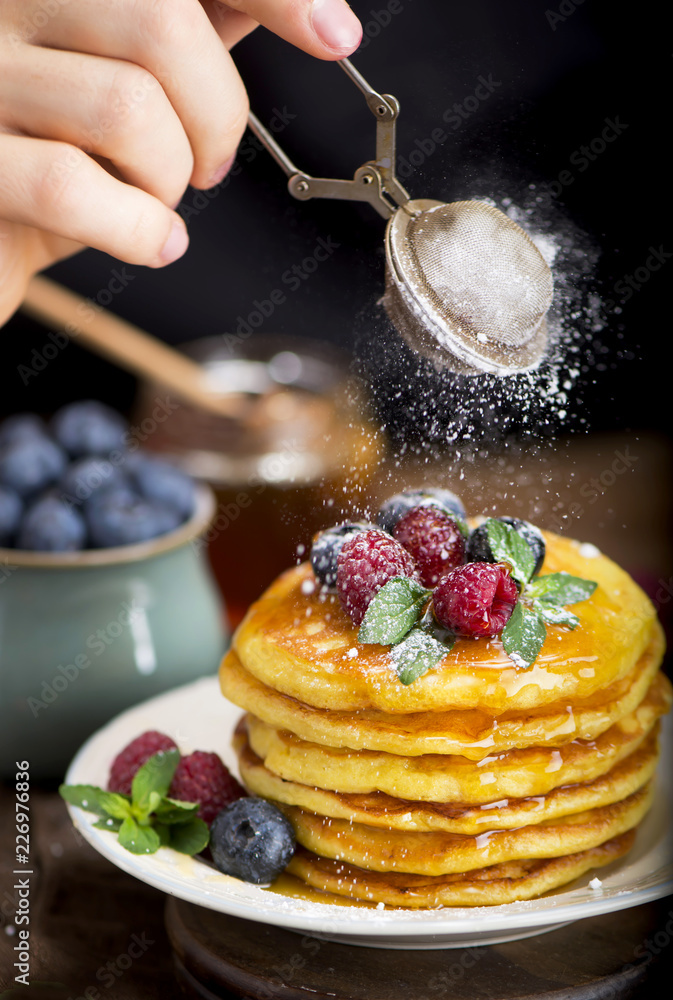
199,718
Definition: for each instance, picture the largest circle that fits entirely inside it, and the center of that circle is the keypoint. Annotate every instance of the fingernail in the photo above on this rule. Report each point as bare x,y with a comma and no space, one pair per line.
220,174
336,25
176,244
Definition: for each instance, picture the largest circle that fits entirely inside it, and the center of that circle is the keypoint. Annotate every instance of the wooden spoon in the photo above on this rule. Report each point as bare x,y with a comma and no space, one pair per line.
123,343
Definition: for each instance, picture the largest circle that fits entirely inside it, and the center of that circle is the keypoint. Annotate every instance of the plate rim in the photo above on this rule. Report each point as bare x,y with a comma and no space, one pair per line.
337,920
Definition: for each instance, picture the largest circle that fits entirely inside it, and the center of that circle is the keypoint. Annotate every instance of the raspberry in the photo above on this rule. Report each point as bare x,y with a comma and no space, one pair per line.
326,547
434,540
202,777
133,757
476,600
397,506
366,562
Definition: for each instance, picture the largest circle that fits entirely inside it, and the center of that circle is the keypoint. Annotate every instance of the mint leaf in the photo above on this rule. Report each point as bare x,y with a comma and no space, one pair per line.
523,636
554,614
163,833
561,588
138,839
142,812
429,624
155,775
115,804
393,611
108,824
151,820
508,546
189,838
96,800
173,811
416,654
84,796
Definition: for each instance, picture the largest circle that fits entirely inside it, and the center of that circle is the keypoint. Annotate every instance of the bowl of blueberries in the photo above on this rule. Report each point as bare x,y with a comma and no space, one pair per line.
106,595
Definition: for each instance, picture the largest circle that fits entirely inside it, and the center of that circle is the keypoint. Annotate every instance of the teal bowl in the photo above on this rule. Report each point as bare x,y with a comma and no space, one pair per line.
85,635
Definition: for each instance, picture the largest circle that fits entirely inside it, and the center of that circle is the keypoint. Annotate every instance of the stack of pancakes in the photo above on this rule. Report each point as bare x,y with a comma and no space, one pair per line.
479,783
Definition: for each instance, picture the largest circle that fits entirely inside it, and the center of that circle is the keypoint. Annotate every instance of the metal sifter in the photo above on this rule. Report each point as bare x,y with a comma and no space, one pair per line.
465,285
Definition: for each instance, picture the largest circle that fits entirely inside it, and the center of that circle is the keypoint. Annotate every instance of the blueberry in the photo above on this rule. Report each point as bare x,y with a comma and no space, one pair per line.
400,504
326,547
88,428
50,525
161,482
252,840
88,477
478,549
20,426
120,517
30,464
119,495
11,509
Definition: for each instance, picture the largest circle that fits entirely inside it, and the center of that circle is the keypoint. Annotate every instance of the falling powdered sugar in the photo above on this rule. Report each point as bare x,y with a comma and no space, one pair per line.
423,409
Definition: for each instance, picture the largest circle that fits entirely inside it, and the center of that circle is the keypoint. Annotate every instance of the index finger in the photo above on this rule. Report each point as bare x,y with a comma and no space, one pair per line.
327,29
174,41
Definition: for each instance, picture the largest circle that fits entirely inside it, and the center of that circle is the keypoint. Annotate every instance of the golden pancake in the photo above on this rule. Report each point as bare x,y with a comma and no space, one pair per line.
472,733
298,640
444,778
480,783
290,885
441,853
387,812
491,886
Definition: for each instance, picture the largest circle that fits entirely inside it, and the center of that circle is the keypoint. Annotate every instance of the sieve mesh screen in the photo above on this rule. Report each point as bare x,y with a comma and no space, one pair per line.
473,278
480,270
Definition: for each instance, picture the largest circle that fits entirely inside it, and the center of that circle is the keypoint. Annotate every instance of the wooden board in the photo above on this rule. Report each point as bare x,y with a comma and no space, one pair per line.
610,956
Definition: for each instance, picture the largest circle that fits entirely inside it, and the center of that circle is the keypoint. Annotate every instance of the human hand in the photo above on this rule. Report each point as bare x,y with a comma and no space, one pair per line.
109,108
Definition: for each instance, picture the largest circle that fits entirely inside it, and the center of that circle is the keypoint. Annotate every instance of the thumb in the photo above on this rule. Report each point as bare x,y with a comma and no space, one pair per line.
327,29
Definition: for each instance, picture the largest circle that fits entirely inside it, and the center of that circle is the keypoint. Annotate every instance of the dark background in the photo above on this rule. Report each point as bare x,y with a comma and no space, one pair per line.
560,79
563,69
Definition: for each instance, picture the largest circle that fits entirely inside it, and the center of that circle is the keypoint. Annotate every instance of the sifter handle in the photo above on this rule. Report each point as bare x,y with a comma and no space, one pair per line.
382,106
374,182
271,146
